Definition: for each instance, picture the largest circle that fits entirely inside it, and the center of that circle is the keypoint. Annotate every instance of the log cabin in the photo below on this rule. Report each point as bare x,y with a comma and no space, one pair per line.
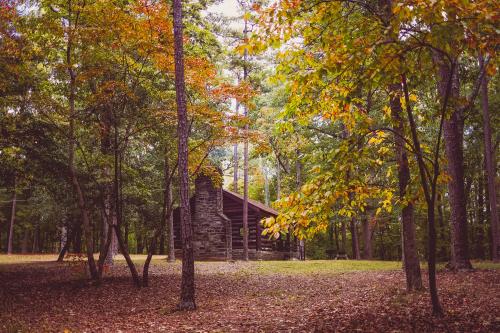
217,220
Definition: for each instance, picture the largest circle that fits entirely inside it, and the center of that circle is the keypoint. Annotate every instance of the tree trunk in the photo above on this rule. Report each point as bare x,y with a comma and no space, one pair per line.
367,239
77,237
26,239
245,159
235,160
187,300
124,251
343,232
266,184
298,186
12,218
145,269
453,140
429,187
489,153
63,244
479,248
355,241
442,236
36,238
168,218
71,160
278,182
410,257
108,222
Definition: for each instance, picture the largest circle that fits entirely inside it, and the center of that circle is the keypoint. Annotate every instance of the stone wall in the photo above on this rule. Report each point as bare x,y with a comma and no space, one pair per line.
211,228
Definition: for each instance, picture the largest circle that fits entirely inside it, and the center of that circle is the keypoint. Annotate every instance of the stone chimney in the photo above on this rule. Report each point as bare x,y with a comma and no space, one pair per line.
211,228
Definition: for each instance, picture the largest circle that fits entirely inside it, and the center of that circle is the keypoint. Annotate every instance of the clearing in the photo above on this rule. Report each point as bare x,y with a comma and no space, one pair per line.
38,294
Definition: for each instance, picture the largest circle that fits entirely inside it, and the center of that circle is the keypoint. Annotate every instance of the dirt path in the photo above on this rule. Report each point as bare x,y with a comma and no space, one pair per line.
53,297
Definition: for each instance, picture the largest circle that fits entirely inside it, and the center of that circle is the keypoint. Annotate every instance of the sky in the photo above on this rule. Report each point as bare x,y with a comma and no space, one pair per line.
227,8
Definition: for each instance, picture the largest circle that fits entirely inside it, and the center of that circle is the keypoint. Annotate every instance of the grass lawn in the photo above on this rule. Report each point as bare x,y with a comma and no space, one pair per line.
260,267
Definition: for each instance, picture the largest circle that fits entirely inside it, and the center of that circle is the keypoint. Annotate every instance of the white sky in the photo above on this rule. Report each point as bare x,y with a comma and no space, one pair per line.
228,8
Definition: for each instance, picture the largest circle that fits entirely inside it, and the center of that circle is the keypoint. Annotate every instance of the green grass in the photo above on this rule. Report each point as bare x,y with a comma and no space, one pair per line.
26,258
324,266
486,265
259,267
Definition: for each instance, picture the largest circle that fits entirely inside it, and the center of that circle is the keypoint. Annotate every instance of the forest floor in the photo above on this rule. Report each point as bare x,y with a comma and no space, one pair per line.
38,295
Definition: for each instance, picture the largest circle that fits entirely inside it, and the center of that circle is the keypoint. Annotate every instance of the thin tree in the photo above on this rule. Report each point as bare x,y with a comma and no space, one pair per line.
489,165
410,258
187,301
245,155
428,182
72,25
235,159
12,218
169,212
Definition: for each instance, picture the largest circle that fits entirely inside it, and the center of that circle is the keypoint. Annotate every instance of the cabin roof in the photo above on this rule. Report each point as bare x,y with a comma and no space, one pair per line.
252,203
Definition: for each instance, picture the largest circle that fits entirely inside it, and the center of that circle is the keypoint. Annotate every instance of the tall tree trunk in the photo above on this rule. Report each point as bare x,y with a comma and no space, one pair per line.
442,236
64,243
410,257
355,241
110,219
336,234
245,158
453,140
36,238
77,237
298,185
343,232
187,300
117,221
479,250
367,238
12,218
26,238
489,153
169,212
278,182
72,143
235,159
266,183
429,187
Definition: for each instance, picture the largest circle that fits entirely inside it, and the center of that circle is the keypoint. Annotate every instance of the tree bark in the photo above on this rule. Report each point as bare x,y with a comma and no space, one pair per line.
64,243
442,236
367,238
489,153
124,251
355,241
235,159
278,181
12,218
245,159
343,232
266,183
187,299
479,248
298,185
26,239
168,212
453,140
410,257
36,238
